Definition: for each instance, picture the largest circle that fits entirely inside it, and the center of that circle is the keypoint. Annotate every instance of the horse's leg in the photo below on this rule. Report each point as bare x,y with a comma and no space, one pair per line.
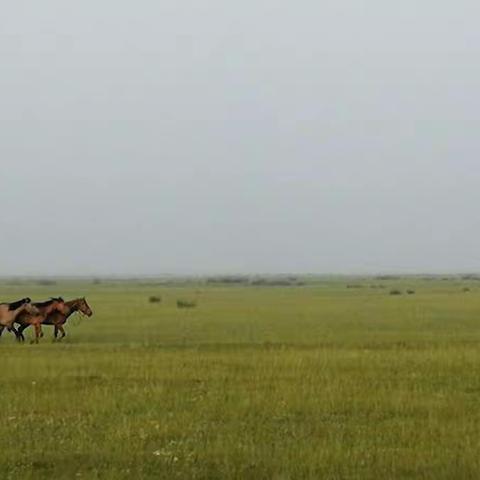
21,328
60,327
11,328
38,331
55,332
1,329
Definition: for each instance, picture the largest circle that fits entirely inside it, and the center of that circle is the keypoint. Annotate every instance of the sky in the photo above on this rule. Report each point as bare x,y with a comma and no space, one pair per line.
153,137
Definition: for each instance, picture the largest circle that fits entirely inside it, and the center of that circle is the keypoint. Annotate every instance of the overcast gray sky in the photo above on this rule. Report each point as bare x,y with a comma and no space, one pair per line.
257,136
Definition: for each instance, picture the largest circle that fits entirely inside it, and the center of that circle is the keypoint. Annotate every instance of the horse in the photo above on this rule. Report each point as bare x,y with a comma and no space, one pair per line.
36,319
9,313
58,319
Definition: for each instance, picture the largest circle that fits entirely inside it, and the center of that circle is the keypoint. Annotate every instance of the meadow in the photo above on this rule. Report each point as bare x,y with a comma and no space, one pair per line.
333,379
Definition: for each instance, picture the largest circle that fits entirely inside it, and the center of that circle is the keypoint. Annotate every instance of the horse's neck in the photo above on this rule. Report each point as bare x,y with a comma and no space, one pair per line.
72,307
18,310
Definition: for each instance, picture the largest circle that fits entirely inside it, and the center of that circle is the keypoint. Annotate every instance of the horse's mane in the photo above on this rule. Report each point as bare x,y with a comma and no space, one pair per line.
18,304
48,302
74,301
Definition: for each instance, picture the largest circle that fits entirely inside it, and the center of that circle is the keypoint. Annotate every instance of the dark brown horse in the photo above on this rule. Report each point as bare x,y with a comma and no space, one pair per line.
9,312
59,318
36,319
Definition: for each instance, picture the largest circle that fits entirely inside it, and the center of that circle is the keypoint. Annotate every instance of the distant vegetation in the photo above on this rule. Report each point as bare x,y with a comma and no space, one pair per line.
471,276
277,281
271,281
46,282
228,279
181,303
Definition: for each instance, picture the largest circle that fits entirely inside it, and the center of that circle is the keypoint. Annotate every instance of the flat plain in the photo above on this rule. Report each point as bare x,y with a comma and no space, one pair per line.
334,379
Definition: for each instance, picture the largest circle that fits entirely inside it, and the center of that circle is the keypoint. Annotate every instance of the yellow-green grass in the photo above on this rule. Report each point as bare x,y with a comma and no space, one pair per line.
320,381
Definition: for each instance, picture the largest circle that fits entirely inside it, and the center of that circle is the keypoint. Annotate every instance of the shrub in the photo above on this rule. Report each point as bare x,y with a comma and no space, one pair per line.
186,303
154,299
395,292
411,292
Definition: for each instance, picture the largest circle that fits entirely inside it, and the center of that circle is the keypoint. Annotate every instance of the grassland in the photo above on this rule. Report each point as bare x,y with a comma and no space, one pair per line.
318,381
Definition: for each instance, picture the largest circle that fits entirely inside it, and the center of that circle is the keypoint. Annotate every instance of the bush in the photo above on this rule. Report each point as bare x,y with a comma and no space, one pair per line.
395,292
154,299
186,303
466,289
411,292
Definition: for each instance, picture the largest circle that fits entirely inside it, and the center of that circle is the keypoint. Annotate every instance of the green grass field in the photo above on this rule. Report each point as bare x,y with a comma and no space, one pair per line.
319,381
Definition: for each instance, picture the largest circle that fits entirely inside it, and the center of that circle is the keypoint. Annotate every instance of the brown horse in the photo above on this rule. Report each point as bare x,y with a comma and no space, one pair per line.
36,319
9,313
59,318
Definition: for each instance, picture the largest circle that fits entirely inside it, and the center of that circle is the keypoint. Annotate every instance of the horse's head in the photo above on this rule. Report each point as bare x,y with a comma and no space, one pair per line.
84,308
18,304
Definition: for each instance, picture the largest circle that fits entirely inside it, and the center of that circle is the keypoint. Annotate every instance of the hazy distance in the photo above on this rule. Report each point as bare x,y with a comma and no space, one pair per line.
219,137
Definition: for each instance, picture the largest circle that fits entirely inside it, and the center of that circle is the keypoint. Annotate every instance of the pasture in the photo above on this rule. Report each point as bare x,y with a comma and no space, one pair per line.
261,382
